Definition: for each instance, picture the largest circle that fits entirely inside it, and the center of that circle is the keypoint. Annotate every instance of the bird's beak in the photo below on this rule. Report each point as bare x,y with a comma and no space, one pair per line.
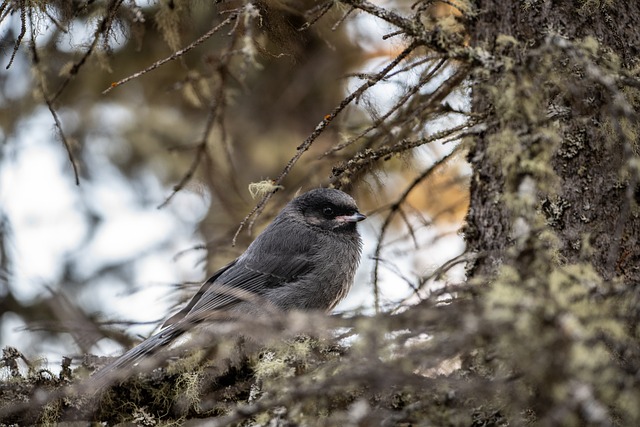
356,217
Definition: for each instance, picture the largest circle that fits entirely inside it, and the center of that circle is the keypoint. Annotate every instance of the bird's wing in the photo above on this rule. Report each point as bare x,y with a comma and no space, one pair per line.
246,279
194,300
217,293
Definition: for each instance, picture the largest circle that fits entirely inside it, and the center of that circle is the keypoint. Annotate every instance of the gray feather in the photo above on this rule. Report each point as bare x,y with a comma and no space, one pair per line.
304,260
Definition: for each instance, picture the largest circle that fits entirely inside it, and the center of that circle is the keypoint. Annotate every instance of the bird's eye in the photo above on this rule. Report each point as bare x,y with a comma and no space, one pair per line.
328,212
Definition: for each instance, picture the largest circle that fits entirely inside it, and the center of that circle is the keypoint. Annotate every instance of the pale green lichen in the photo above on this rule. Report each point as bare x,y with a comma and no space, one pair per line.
273,365
188,388
50,413
169,18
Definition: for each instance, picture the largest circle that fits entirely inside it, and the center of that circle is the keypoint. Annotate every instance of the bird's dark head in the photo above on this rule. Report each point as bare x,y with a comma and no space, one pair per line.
328,209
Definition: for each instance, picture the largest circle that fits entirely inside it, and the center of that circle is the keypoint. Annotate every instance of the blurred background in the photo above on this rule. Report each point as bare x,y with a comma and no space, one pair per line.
93,267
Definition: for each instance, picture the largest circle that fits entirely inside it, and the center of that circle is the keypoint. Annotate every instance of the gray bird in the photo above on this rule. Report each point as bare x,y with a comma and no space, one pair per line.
304,260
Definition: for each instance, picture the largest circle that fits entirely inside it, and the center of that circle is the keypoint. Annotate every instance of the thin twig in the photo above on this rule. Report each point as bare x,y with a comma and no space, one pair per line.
407,25
4,7
412,232
393,34
49,102
251,217
342,19
23,30
395,207
216,110
413,65
321,10
435,275
54,20
232,17
440,93
102,29
200,151
395,270
367,157
402,101
65,141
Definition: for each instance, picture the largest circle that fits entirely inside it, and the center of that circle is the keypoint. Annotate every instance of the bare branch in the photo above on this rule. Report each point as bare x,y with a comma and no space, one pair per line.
409,26
378,121
23,30
201,149
49,102
103,28
231,18
396,207
320,11
306,144
342,19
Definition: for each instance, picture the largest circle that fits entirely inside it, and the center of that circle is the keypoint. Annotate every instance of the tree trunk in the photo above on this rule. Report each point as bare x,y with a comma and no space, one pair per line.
595,183
554,211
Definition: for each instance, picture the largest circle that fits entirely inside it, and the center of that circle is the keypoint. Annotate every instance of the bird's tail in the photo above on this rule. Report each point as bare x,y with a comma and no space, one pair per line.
123,366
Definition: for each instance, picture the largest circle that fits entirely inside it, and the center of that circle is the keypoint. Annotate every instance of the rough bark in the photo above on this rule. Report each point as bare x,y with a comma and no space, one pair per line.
593,194
553,214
